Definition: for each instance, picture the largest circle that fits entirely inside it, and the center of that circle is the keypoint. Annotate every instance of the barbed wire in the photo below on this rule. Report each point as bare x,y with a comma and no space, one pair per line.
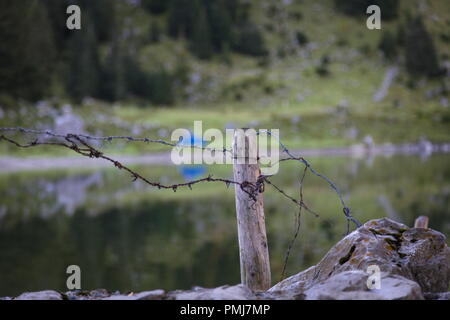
111,138
91,152
345,208
74,141
297,225
79,144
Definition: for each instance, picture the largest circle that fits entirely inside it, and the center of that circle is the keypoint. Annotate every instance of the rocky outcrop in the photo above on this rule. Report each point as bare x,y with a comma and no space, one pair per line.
413,264
416,254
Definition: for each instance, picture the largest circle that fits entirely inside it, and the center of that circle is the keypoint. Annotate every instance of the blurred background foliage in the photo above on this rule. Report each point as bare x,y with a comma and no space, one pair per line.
120,53
309,67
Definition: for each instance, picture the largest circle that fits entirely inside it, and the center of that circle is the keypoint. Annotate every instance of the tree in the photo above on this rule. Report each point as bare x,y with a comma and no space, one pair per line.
83,62
156,6
220,24
181,18
388,44
27,50
201,40
420,52
250,41
112,85
389,8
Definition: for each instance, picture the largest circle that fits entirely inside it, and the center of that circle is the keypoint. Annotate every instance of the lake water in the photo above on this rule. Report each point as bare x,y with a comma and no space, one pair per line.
128,237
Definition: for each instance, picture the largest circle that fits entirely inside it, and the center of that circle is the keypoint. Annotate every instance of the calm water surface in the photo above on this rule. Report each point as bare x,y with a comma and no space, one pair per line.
128,237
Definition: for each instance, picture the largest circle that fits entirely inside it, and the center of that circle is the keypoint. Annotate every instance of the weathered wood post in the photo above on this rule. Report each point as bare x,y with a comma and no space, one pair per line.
253,249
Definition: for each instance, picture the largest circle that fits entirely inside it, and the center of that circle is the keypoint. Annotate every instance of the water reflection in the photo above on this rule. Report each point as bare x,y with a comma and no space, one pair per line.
126,236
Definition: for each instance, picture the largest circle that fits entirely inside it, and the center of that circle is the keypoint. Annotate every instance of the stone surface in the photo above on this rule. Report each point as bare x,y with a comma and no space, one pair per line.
337,285
427,258
420,255
238,292
437,295
40,295
151,295
352,285
145,295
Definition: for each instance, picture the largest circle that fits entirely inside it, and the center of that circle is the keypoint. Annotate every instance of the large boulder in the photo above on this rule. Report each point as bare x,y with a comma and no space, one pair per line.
416,254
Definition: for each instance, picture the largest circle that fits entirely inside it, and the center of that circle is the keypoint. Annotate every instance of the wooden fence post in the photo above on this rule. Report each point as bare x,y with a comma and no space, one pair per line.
253,248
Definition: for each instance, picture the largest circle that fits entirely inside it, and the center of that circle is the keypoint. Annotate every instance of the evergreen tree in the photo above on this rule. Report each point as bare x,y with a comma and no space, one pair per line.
220,24
83,62
155,32
388,45
250,41
201,40
27,50
420,53
156,6
181,18
389,8
113,74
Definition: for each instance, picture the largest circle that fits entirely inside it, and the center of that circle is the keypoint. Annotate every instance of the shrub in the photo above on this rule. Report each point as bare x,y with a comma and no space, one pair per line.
250,41
302,38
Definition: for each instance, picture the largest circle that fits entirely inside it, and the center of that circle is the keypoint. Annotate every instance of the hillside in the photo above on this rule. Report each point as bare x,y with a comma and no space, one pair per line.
310,68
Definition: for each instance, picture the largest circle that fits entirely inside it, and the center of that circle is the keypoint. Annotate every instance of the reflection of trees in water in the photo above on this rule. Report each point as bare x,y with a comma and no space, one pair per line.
44,196
147,246
71,192
186,241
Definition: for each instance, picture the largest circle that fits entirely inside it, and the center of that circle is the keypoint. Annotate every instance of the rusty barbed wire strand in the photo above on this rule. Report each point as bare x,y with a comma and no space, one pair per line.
74,141
78,143
345,208
297,225
299,203
111,138
92,152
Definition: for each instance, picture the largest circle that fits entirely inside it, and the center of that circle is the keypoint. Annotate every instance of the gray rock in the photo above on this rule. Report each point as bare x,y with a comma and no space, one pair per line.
437,295
145,295
420,255
151,295
237,292
395,287
352,285
427,258
119,297
344,282
40,295
279,295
